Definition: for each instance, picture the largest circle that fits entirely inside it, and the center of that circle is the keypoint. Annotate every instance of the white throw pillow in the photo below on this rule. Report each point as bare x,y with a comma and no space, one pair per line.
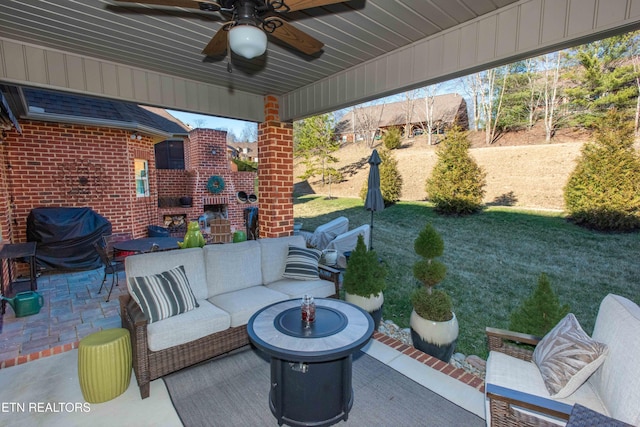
567,357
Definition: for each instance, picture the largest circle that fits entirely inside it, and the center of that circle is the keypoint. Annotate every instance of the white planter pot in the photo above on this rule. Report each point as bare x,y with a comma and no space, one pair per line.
372,305
435,338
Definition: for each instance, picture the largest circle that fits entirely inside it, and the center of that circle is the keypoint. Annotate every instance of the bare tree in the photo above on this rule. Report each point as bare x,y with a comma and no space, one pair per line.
411,99
249,132
534,93
472,87
429,102
491,111
366,120
199,123
551,75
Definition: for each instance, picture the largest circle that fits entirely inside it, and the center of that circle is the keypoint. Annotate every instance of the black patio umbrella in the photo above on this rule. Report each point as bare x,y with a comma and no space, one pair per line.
374,201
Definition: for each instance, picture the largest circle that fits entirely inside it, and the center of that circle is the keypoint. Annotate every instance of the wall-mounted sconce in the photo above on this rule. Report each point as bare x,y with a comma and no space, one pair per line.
214,152
136,135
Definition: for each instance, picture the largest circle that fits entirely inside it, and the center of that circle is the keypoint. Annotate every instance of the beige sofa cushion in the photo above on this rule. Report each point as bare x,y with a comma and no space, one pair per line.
158,262
516,374
273,255
617,381
243,303
186,327
299,288
231,267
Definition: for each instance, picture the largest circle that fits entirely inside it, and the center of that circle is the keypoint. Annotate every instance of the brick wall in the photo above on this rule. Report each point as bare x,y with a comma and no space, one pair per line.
201,164
54,164
275,173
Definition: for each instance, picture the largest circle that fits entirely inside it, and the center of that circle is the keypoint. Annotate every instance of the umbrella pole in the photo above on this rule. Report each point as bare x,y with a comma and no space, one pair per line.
371,234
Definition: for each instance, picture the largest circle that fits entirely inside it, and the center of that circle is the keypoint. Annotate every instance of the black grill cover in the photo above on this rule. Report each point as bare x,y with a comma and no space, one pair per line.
64,237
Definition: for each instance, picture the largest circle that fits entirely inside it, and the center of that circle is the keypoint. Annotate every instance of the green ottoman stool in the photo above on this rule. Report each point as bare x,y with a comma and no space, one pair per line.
104,364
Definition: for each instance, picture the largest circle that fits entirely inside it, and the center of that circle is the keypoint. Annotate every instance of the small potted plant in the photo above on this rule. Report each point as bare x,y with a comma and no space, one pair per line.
434,327
364,281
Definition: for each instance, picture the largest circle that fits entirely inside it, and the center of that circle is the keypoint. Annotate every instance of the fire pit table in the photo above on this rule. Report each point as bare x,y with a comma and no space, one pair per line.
310,366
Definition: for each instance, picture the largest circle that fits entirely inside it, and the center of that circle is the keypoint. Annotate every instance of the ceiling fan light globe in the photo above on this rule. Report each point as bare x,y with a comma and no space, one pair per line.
247,41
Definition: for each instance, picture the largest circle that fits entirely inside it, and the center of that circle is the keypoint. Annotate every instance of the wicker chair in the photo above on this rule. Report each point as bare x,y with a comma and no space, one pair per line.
613,389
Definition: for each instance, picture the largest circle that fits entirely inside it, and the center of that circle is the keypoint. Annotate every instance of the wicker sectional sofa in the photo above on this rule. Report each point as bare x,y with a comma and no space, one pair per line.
230,283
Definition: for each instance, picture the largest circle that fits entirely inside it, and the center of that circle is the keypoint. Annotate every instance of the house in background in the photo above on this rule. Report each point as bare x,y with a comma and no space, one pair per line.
122,160
361,123
244,151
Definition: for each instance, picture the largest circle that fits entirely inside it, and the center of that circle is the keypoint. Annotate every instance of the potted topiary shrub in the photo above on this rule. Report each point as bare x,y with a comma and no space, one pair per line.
364,281
434,327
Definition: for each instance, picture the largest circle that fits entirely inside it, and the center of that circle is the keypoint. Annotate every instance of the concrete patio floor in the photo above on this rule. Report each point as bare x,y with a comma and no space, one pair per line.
38,363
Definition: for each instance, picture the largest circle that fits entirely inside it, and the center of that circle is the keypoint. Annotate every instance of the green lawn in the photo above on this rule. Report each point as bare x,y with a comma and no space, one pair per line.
493,260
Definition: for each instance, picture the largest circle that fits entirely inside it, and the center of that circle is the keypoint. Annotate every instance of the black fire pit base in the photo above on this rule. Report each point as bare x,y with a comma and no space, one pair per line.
311,394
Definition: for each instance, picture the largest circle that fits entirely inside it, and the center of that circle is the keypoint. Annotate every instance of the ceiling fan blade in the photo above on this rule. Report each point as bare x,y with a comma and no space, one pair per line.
292,36
218,44
193,4
307,4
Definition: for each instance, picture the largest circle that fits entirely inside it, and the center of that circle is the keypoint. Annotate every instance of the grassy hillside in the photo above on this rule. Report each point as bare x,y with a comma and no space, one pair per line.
521,170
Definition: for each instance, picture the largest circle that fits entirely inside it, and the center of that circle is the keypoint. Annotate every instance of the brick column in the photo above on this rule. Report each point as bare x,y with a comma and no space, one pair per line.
275,172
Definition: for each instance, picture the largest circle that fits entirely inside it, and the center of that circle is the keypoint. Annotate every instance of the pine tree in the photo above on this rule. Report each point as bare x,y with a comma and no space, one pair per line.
390,179
392,138
315,142
601,77
539,313
456,185
365,275
603,192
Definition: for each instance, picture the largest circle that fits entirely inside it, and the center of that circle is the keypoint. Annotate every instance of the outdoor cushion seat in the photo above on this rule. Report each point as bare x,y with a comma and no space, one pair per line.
347,242
294,288
204,320
241,304
513,380
524,376
327,232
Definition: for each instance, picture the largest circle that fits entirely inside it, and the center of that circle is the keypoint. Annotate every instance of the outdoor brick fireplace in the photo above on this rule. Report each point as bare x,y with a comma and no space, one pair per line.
208,179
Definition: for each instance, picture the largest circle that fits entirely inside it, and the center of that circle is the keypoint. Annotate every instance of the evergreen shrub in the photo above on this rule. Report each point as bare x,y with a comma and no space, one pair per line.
539,313
390,179
603,191
365,275
429,303
456,185
392,138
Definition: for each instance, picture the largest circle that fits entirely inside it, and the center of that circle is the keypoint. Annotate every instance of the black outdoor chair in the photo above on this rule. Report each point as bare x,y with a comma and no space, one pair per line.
110,239
112,267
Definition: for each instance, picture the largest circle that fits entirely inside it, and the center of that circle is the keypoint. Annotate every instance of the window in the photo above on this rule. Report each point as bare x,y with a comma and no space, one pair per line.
142,178
170,154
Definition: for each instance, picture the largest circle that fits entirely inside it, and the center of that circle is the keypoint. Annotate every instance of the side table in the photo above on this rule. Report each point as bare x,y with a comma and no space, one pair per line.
9,252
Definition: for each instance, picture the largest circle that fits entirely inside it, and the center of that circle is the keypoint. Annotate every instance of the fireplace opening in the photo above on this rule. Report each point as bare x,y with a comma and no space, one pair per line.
216,212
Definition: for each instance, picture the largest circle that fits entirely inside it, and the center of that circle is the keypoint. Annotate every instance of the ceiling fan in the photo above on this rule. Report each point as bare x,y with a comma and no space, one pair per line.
251,20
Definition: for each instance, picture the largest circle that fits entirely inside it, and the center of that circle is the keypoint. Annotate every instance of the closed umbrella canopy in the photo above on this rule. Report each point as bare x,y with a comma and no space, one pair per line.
374,201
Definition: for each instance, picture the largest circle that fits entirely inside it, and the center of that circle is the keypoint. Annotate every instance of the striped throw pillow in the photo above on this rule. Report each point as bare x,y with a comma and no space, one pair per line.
163,295
302,263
